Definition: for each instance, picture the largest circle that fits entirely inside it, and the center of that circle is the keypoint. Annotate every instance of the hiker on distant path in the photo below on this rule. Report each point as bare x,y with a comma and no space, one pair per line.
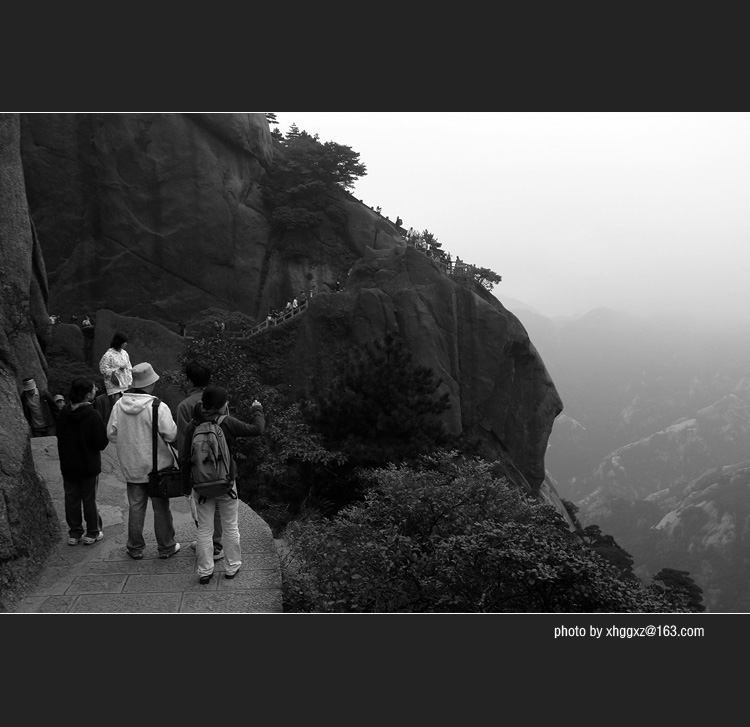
214,408
39,408
199,377
81,437
182,326
115,366
129,428
87,327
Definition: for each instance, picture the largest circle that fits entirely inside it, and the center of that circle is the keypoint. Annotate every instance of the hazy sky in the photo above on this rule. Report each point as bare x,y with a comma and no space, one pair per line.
637,211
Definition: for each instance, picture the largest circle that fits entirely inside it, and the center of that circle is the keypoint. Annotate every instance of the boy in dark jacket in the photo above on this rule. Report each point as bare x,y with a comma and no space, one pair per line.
81,437
213,407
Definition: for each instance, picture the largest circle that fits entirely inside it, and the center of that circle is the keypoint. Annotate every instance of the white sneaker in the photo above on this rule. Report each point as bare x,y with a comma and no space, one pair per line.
174,552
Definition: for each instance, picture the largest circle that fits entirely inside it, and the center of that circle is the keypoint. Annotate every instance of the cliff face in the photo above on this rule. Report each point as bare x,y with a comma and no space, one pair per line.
167,203
27,518
501,394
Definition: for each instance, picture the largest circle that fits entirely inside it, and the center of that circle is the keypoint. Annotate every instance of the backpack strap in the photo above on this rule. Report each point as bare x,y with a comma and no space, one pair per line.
154,430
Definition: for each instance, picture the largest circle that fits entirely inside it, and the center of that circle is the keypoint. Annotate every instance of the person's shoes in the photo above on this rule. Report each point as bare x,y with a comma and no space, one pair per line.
135,556
90,541
204,580
229,576
73,541
218,553
194,545
176,550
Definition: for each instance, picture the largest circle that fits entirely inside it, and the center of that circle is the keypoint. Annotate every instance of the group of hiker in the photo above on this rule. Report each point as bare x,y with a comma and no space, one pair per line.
124,415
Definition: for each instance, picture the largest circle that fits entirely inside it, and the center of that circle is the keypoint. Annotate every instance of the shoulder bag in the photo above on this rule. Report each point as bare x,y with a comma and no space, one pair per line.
165,482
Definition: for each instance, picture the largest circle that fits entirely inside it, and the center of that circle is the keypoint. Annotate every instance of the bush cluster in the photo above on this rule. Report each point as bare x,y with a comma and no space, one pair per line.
444,535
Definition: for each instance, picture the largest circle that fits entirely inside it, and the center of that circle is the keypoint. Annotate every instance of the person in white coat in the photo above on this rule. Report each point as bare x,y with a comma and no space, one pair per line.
115,367
129,428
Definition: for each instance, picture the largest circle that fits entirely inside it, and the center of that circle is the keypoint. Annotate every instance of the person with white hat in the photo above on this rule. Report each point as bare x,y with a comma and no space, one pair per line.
129,428
39,408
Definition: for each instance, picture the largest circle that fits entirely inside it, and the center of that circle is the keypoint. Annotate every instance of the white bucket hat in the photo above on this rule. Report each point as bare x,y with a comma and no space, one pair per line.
144,375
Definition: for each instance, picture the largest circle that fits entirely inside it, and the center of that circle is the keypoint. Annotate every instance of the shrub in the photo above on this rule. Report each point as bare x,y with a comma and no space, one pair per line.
445,536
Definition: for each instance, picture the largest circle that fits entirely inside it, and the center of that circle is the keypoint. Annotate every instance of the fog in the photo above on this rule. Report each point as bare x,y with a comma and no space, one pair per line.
641,212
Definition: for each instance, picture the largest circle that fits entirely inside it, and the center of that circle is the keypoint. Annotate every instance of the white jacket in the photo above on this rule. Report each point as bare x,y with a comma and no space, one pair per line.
116,362
129,427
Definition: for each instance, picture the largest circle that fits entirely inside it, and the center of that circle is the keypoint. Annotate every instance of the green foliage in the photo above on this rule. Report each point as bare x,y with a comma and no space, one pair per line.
486,278
295,218
606,546
304,172
283,471
429,239
379,407
62,368
680,589
202,325
444,535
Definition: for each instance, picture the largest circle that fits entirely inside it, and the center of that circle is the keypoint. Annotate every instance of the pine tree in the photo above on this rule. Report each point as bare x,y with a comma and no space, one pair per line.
380,407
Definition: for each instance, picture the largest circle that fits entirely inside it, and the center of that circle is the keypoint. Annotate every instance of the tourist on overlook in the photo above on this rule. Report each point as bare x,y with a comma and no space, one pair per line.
214,407
60,400
115,367
39,408
199,377
130,428
81,437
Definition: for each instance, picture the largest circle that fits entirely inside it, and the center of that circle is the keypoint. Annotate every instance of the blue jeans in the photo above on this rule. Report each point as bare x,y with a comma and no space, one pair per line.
80,492
163,524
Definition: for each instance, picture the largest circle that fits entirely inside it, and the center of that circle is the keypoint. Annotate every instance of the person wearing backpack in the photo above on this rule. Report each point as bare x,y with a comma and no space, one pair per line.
210,474
199,377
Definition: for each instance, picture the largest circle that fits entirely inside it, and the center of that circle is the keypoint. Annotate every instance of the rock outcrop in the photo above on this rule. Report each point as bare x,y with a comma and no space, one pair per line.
500,392
28,522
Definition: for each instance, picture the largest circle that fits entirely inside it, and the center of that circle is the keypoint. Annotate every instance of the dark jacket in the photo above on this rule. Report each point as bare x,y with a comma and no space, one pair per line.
232,428
49,408
81,437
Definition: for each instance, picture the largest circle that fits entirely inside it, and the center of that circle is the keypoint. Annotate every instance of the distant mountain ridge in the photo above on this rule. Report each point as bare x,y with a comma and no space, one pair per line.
657,417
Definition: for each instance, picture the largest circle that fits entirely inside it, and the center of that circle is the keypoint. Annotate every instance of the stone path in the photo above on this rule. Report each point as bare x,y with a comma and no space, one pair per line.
102,578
